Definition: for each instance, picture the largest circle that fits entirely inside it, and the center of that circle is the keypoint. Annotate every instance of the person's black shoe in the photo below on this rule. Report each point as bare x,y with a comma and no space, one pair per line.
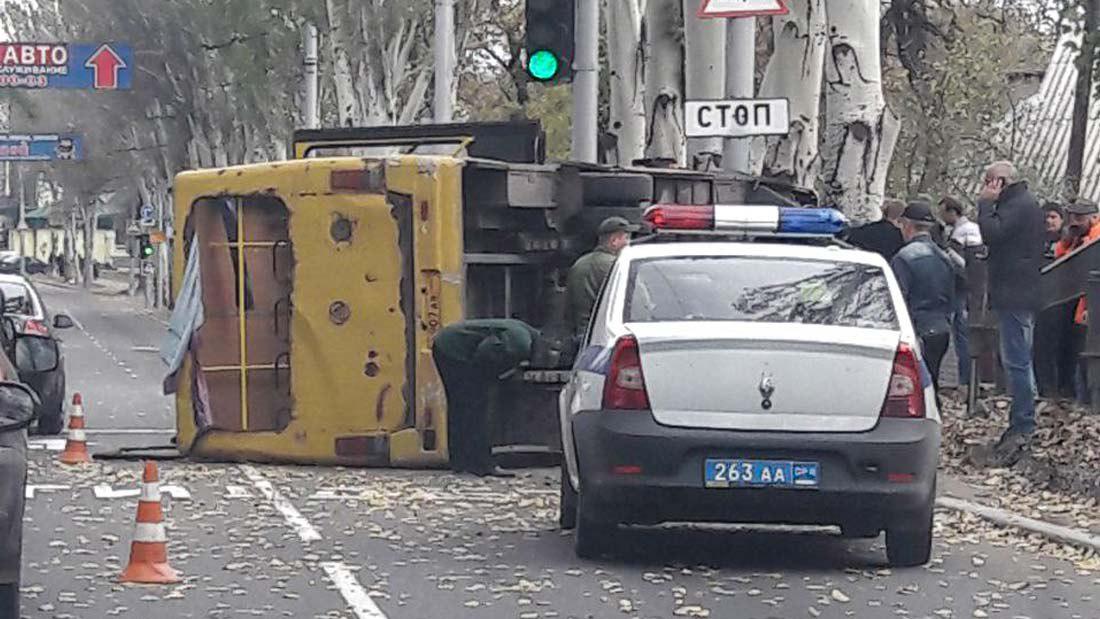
1010,449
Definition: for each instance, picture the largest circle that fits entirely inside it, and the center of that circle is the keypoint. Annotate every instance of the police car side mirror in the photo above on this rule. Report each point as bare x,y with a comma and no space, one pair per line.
63,321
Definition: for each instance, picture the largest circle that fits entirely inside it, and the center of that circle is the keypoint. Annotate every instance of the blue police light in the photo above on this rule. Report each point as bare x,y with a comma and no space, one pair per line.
802,220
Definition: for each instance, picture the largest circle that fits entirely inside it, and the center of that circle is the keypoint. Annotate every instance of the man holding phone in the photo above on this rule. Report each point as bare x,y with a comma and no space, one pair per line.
1012,227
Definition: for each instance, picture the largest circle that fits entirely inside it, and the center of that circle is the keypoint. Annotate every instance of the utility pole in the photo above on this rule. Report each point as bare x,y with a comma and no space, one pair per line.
444,49
5,126
586,80
1086,60
311,112
740,72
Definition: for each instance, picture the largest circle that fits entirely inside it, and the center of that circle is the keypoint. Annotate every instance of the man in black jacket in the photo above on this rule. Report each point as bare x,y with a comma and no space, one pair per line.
927,280
1012,227
883,236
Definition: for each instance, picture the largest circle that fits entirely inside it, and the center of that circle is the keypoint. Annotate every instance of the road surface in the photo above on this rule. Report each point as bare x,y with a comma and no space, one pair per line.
273,541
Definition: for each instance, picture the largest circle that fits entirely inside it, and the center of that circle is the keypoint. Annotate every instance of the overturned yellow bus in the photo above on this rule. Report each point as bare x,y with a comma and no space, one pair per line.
322,280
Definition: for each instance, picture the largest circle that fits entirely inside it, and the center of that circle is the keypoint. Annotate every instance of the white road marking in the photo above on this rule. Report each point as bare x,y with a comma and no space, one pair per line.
129,431
356,596
338,494
293,517
104,491
32,488
47,444
237,492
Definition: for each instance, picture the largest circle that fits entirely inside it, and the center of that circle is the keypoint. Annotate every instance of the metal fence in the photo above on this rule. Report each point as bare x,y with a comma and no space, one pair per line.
1062,283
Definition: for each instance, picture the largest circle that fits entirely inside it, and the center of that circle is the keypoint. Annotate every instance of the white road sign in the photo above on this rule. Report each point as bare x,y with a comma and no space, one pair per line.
737,118
740,8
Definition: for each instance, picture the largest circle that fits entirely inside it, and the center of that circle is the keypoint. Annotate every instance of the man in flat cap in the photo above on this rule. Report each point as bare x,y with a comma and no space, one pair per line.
926,276
1084,228
588,273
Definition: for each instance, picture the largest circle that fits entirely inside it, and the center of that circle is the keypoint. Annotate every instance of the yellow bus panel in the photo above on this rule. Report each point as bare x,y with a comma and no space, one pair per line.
323,282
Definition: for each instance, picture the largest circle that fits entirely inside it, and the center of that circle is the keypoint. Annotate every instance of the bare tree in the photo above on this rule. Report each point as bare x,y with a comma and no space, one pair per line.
705,77
794,71
664,77
860,130
626,77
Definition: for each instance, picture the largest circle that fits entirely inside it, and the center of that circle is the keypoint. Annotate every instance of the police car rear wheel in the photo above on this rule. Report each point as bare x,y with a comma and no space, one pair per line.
911,545
592,538
567,505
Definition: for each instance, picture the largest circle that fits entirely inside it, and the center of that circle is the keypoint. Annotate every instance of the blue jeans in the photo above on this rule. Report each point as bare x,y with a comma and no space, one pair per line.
1016,331
960,330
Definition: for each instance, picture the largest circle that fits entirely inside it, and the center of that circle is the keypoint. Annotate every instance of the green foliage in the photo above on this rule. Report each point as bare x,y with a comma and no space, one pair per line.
976,63
552,105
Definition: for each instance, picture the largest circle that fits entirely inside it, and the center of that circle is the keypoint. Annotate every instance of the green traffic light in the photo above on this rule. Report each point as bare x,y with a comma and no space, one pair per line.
543,65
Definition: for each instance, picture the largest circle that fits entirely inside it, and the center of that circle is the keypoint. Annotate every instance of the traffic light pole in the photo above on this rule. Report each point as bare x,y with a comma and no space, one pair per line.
586,80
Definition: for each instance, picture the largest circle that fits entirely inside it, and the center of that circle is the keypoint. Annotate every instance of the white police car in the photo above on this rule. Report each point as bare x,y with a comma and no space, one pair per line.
771,379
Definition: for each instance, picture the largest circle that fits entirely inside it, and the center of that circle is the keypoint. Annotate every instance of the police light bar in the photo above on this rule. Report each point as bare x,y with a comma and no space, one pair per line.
748,219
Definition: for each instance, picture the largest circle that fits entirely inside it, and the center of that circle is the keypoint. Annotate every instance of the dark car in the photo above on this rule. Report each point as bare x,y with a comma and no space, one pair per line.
36,350
11,263
17,409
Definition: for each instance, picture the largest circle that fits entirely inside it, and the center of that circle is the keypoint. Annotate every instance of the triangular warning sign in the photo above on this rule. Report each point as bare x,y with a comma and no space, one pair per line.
741,8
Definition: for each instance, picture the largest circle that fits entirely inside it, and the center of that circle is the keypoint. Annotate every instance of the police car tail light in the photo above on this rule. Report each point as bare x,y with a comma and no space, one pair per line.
679,217
905,397
748,219
35,327
624,388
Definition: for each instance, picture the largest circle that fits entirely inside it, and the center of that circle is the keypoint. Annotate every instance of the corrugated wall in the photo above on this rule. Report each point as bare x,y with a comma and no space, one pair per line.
1040,141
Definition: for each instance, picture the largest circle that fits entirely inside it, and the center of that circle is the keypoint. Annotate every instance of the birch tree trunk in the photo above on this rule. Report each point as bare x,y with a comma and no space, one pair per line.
71,257
664,79
860,131
794,71
626,75
90,216
341,29
705,73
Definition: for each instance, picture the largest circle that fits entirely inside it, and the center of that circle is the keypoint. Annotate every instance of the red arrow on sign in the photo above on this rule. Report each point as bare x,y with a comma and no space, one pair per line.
740,8
105,64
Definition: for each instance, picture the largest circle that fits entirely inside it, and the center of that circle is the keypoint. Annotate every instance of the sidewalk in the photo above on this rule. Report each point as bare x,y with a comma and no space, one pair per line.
1051,492
110,284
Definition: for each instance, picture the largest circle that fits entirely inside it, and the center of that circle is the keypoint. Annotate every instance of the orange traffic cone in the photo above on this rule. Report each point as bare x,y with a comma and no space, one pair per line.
76,447
149,549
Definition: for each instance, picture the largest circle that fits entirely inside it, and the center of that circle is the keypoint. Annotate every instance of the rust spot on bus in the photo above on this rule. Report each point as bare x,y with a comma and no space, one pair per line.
380,405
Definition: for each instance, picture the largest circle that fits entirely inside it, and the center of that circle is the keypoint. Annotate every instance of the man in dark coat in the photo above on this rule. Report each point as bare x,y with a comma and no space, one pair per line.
883,236
1013,229
470,357
927,280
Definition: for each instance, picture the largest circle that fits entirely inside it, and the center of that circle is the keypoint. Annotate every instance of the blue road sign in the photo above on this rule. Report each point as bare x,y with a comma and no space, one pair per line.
97,66
147,212
41,147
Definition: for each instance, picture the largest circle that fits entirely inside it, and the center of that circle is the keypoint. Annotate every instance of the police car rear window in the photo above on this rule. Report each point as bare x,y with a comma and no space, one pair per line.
756,289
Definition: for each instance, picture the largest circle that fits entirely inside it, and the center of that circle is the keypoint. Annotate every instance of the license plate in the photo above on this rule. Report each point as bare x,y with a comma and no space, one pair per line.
722,473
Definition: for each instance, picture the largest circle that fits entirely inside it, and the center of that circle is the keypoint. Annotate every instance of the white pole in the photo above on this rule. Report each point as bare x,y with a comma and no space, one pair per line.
311,114
586,79
443,106
704,77
740,67
5,126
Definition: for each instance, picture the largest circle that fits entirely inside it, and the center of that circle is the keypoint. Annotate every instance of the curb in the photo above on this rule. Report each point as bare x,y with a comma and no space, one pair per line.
1006,518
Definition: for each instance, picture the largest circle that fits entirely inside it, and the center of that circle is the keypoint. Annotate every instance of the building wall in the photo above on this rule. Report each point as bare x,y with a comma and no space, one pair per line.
48,242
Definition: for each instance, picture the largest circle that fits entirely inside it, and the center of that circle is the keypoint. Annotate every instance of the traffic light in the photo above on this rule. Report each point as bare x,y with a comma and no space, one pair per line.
145,247
549,40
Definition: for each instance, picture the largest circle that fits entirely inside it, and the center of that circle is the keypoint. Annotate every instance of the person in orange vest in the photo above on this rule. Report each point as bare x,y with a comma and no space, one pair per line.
1084,228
